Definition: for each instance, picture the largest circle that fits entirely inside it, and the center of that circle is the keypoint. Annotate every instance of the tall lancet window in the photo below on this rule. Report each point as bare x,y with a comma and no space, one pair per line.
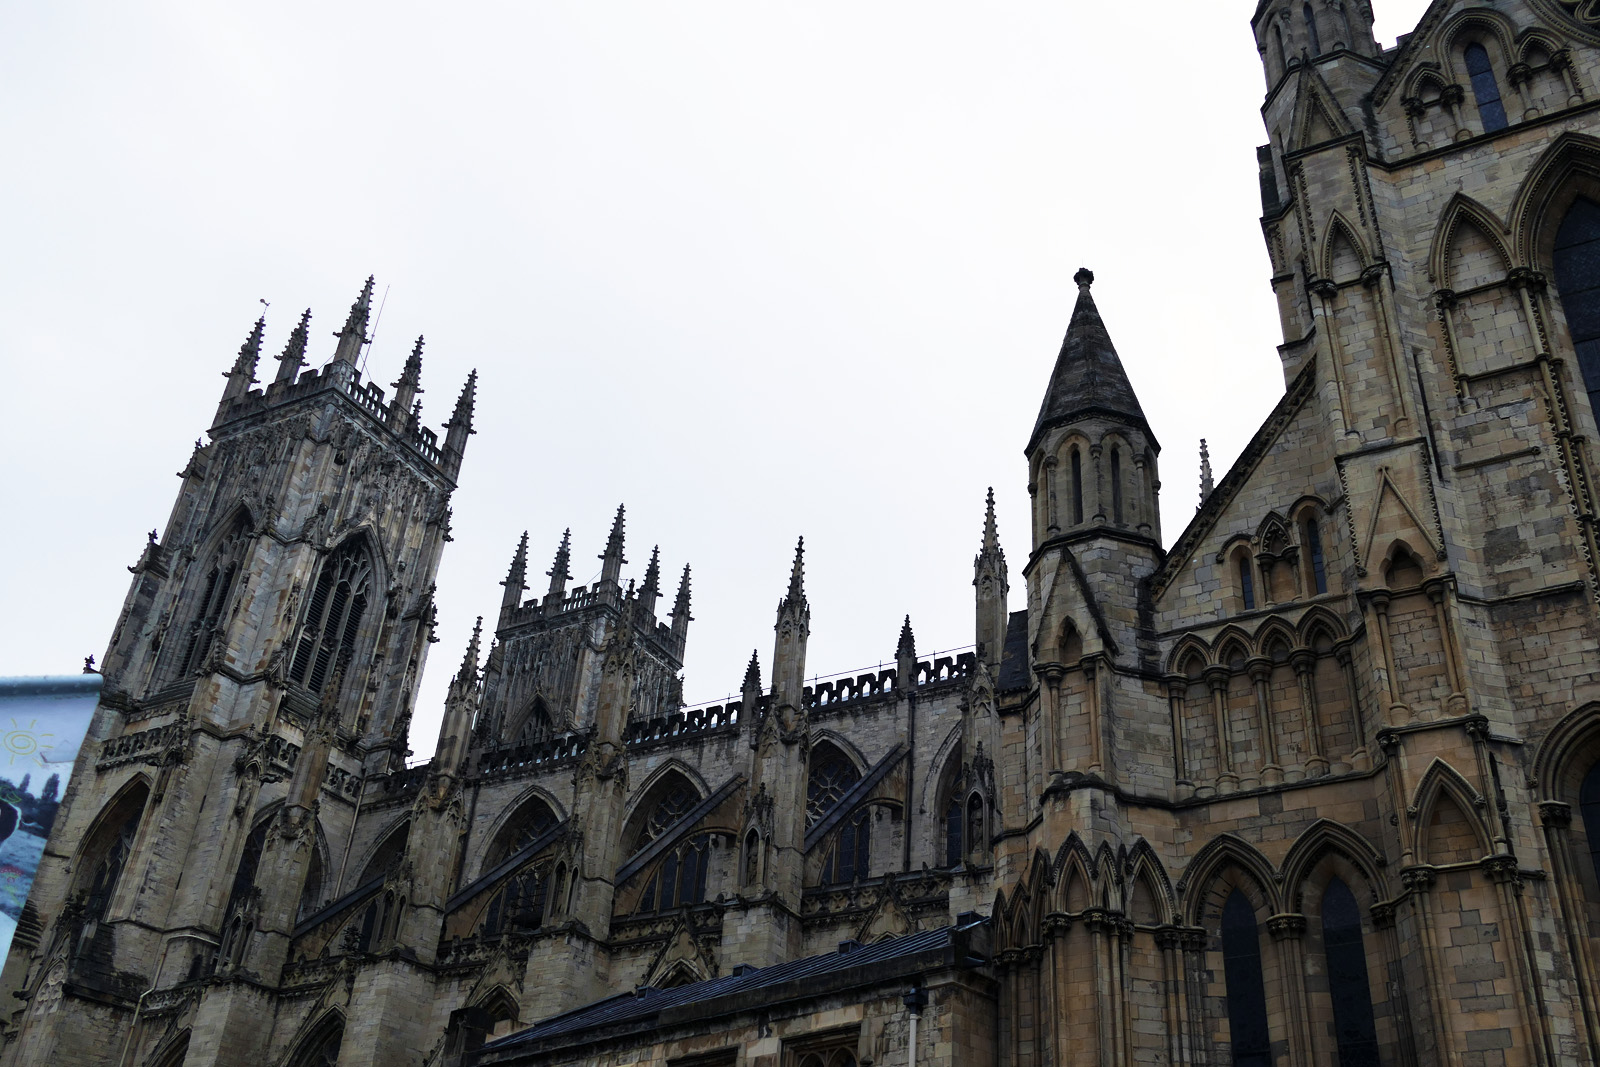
1485,89
1577,263
338,602
1311,29
1354,1028
1077,485
1116,484
1247,995
208,619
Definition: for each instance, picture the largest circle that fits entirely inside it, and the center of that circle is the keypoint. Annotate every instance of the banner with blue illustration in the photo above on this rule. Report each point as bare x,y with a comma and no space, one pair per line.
42,725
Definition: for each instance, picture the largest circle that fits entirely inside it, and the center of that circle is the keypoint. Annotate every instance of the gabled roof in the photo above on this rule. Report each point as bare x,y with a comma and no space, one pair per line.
1088,378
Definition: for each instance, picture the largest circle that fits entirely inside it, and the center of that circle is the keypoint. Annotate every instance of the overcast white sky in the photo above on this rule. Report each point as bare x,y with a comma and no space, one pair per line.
758,270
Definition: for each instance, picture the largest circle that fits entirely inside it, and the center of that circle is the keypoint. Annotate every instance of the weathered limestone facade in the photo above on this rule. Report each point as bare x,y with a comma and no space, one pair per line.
1314,785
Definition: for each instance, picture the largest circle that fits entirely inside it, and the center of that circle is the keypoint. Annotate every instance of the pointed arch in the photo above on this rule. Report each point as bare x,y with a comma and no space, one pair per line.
1442,790
339,610
1147,880
1465,213
1320,619
1568,169
1476,22
1403,566
667,796
1073,876
1189,648
1276,631
108,845
530,817
1108,874
1232,645
321,1043
1344,254
935,783
173,1051
1566,752
387,850
852,752
1316,842
1221,852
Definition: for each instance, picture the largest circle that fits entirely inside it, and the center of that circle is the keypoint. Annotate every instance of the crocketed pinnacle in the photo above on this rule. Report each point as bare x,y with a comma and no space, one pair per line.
652,574
752,674
461,418
1206,484
797,575
466,678
614,542
519,565
411,374
559,572
249,353
680,607
294,353
354,334
1088,378
907,648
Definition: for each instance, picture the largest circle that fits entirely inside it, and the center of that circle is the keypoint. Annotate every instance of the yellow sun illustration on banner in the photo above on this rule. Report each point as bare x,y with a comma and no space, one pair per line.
25,742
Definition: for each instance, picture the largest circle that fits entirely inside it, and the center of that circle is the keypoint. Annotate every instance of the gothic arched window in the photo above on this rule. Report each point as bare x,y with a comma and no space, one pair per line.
530,823
1484,88
1354,1028
1311,29
1578,279
321,1049
954,834
832,775
1589,808
338,602
208,621
681,877
1311,537
1247,581
1077,485
670,805
109,848
1247,996
1116,484
520,903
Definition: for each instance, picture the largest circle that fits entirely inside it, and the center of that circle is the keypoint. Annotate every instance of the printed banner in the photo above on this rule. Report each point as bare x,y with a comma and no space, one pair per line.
42,725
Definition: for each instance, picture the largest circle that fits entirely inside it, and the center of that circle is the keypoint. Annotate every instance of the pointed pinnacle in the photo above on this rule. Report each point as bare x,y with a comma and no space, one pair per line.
615,540
462,416
558,570
469,662
680,607
357,319
519,562
412,373
752,673
294,353
991,533
652,573
250,351
797,576
1206,484
908,642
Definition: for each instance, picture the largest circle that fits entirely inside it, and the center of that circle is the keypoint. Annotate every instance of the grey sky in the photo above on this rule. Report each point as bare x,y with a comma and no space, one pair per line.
757,270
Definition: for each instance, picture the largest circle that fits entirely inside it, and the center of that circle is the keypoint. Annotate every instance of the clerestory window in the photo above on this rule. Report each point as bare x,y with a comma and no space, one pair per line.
1485,89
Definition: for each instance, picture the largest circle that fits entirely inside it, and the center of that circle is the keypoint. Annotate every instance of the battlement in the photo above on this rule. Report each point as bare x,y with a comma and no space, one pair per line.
885,681
337,377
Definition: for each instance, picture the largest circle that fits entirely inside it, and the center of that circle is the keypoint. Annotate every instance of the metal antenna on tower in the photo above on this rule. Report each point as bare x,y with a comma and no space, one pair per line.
374,335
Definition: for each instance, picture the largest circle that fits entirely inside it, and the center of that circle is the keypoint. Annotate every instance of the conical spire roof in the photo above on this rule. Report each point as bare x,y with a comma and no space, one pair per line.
1088,377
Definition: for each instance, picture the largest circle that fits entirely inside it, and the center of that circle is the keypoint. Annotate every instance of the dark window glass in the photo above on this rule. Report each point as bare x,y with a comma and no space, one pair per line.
953,850
1577,263
673,804
208,616
109,869
1589,805
1311,29
1319,567
832,775
1247,583
1484,88
1116,485
338,602
1354,1029
850,857
1247,997
974,822
1077,486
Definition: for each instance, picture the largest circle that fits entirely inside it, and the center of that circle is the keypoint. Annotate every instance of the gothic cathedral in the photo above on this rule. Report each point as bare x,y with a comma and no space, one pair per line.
1315,785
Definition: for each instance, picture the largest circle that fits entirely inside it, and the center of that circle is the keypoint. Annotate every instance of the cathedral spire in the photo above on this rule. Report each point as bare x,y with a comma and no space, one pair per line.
243,374
611,560
354,334
515,582
559,571
459,428
406,390
294,353
1206,485
1088,378
680,607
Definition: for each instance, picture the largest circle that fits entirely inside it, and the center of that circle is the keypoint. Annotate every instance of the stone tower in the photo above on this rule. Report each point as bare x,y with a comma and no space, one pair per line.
265,661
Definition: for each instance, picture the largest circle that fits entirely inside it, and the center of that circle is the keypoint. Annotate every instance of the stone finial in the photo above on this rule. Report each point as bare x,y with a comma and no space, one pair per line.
652,573
752,674
293,356
466,678
249,353
797,574
461,418
411,373
1206,484
612,559
907,648
515,584
1084,278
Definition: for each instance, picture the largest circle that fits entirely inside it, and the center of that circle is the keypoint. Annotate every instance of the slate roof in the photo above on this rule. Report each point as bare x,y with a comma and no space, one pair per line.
1088,378
1014,659
647,1009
